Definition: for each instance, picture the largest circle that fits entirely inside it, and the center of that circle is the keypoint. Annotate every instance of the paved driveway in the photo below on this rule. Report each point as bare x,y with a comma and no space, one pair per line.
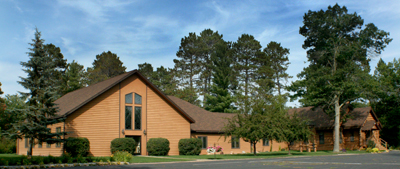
363,161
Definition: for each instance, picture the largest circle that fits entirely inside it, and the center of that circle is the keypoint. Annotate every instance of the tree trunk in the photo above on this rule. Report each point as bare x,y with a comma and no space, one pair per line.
289,149
30,148
337,126
254,148
270,148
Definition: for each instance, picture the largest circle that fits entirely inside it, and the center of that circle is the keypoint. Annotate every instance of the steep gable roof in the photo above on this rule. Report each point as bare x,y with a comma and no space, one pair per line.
206,122
72,101
355,118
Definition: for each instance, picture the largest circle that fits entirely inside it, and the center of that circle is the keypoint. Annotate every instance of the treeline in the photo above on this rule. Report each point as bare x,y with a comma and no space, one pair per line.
214,73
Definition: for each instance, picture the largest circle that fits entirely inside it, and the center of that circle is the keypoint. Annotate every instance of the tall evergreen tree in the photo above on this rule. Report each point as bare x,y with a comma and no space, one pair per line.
338,51
164,79
279,61
387,100
74,77
187,67
146,69
208,39
41,111
105,66
246,50
220,98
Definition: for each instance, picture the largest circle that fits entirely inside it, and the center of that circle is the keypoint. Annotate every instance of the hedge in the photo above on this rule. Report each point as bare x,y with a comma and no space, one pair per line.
158,146
123,144
77,146
190,146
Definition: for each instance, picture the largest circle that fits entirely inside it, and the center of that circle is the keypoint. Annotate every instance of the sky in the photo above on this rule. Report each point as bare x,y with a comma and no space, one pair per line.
150,31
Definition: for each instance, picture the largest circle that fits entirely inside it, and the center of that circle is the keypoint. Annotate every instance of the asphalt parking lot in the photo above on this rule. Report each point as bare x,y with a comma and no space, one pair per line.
359,161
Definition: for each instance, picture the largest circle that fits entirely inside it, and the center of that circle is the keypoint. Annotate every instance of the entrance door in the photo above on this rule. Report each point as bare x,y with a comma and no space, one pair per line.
139,144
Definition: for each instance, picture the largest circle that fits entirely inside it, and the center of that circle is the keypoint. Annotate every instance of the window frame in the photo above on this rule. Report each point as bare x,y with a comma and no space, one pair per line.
126,118
202,142
323,138
58,130
131,98
135,99
235,142
265,140
140,119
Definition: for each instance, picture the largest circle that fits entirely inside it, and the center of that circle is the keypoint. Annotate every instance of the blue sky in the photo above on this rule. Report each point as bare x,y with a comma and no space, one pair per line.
150,31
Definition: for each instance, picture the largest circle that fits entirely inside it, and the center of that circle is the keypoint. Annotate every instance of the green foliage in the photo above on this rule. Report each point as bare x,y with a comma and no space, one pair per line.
41,110
74,77
158,146
387,100
77,146
7,146
122,156
279,62
164,79
123,144
10,115
189,146
220,99
296,129
371,144
338,53
105,66
146,69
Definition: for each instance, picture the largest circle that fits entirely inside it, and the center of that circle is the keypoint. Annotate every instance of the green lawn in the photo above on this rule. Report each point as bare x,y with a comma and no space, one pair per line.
144,159
265,155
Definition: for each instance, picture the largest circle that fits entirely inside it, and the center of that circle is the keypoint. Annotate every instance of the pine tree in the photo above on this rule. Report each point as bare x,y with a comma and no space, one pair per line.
74,77
338,52
187,68
279,61
41,111
207,41
164,80
146,69
246,50
220,98
105,66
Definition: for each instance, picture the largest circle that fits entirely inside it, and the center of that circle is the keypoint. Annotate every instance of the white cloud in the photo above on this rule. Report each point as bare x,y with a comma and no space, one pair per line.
68,44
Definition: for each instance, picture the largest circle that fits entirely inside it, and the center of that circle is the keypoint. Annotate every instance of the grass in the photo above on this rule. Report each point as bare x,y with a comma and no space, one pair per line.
144,159
265,155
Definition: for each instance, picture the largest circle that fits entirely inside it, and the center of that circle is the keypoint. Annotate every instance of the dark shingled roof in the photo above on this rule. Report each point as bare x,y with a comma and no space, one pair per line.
72,101
321,120
206,122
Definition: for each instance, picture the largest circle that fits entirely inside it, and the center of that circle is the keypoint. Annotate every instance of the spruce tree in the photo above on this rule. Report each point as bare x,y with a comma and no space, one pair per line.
220,98
74,77
41,111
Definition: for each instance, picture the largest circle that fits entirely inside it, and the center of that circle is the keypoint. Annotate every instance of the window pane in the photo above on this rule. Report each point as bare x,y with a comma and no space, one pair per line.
128,98
321,138
352,137
265,142
235,142
138,99
26,142
128,117
58,130
138,118
204,142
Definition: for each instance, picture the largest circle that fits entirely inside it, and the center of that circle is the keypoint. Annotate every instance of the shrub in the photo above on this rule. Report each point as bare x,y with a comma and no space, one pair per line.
77,146
158,146
7,146
189,146
371,144
123,144
122,156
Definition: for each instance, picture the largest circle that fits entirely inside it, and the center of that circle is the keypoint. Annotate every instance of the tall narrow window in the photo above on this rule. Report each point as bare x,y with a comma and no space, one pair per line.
58,130
235,142
26,142
321,138
48,145
138,118
40,145
128,98
204,141
352,136
138,99
265,142
128,117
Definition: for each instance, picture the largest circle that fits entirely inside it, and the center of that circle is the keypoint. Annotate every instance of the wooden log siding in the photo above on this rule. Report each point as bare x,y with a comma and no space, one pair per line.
164,121
219,140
